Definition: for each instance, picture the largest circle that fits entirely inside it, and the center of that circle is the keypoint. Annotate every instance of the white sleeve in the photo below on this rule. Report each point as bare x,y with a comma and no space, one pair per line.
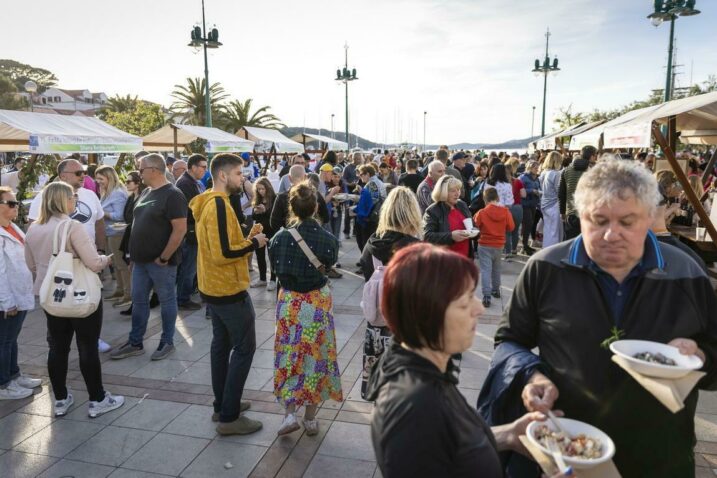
35,207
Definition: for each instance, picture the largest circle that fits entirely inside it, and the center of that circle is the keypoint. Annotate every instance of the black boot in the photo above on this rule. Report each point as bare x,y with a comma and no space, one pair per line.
127,312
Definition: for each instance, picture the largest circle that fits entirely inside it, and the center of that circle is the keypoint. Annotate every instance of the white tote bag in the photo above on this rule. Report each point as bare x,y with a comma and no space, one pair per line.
69,289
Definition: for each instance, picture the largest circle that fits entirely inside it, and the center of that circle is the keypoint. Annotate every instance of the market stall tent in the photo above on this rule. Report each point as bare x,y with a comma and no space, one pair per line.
593,136
172,136
270,140
42,133
331,143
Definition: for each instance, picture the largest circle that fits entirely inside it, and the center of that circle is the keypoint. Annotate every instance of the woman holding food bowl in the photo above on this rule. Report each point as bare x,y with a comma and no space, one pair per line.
422,424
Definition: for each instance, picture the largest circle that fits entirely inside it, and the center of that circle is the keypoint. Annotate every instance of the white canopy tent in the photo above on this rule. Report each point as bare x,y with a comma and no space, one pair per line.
331,143
592,136
268,139
42,133
169,137
695,116
547,141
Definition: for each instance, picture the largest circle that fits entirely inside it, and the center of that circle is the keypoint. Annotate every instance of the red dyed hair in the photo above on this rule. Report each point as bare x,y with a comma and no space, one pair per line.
418,285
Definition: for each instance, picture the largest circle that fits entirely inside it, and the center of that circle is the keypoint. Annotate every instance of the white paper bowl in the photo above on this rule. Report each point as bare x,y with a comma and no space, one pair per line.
574,428
685,363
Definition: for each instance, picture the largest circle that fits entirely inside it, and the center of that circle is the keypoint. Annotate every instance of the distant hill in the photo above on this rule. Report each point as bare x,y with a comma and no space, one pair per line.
364,143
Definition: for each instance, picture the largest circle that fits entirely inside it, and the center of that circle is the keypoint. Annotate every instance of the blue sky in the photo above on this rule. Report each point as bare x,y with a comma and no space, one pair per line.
466,62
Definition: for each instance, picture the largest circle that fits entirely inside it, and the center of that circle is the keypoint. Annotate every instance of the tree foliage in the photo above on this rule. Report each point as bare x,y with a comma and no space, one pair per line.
119,104
9,98
238,114
19,73
189,102
141,118
567,118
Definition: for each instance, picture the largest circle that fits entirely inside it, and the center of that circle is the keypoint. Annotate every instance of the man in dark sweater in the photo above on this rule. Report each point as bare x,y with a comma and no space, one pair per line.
280,213
615,280
190,185
568,182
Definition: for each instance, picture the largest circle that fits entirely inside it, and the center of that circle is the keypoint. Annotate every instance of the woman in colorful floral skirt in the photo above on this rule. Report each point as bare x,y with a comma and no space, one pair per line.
305,368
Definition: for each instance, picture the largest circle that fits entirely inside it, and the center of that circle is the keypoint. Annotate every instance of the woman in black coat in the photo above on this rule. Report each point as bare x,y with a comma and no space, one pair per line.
444,219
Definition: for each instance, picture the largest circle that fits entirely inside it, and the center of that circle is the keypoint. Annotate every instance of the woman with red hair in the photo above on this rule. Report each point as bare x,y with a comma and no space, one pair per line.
422,425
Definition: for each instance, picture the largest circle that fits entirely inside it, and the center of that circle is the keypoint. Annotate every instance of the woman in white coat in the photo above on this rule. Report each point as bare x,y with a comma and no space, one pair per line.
549,203
16,299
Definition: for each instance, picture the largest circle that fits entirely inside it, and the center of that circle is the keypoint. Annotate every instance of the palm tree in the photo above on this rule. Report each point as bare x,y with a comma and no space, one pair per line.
237,114
118,104
189,101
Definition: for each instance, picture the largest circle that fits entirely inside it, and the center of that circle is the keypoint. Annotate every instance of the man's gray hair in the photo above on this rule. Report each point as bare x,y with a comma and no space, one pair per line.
156,161
615,179
435,164
297,173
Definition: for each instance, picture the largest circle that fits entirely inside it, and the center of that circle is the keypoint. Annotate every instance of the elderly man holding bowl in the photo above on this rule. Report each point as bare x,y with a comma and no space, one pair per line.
615,280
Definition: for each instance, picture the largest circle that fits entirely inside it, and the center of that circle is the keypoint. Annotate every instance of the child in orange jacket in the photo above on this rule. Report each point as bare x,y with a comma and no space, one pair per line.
493,221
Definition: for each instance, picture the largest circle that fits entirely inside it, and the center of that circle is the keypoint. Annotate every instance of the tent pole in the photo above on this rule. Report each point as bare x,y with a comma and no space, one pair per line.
174,130
682,178
710,166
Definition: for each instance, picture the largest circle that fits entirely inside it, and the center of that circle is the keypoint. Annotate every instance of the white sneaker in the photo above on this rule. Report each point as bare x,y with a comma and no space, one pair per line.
288,425
271,285
111,402
257,283
311,427
103,346
62,406
28,382
14,392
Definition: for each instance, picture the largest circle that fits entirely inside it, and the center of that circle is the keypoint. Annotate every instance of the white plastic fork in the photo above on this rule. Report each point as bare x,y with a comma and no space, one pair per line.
558,456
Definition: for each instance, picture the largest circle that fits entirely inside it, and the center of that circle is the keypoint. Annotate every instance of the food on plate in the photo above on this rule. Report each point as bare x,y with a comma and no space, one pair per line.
579,446
655,358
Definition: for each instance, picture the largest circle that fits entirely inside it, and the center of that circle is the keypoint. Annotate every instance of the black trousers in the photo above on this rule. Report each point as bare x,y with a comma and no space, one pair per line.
571,226
59,337
528,220
363,232
261,261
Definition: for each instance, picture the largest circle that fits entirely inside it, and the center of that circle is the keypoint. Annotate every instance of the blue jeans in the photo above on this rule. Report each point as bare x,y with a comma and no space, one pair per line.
186,271
10,328
512,237
145,276
489,261
231,353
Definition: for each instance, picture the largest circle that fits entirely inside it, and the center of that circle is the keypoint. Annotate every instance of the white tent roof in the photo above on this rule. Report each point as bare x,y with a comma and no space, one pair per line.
696,118
333,144
265,138
218,141
47,134
548,141
592,136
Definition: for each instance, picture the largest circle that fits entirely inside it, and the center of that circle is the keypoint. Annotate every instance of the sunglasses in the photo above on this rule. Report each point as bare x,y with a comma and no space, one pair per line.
60,280
79,173
10,204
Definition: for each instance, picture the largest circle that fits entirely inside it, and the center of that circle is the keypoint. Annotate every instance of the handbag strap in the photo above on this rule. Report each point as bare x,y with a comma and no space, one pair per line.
305,248
64,233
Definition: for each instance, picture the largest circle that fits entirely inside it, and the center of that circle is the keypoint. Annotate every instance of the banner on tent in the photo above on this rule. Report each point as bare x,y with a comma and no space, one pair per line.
636,135
49,144
229,147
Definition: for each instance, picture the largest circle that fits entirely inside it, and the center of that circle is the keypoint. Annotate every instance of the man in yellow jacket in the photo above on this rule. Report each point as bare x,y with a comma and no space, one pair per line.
223,276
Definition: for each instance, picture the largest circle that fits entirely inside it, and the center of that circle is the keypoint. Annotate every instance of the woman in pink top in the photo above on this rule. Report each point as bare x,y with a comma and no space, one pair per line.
516,209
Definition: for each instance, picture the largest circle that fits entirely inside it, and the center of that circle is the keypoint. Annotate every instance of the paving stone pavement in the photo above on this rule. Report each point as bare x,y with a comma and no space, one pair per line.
164,429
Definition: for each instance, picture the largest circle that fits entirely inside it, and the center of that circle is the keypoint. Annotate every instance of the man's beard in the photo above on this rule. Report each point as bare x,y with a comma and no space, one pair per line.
234,188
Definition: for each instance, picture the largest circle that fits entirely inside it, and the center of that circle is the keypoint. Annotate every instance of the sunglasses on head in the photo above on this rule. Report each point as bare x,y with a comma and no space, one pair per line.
10,204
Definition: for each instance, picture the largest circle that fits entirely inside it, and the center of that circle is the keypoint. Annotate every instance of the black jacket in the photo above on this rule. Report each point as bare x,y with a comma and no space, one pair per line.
422,425
436,229
558,306
383,248
280,211
188,185
569,178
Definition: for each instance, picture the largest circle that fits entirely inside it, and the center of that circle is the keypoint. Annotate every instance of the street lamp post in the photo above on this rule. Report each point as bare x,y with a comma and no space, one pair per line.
670,10
545,69
332,126
345,76
200,38
532,123
424,131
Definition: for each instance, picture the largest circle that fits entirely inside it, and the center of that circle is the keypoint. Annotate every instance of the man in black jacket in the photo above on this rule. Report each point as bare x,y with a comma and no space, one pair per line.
280,214
613,281
190,185
568,182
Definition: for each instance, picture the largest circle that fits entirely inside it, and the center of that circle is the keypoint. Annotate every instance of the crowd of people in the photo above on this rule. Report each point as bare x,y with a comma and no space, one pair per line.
172,230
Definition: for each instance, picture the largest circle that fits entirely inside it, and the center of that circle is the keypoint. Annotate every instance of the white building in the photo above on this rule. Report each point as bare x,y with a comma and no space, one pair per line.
69,102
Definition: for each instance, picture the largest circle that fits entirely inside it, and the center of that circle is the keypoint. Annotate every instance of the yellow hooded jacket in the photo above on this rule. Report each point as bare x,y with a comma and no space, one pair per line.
222,267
